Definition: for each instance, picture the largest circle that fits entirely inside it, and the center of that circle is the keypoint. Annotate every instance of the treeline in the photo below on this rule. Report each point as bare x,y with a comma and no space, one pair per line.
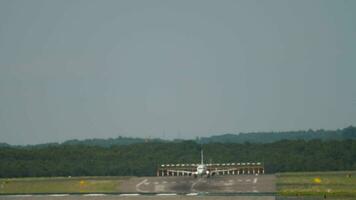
267,137
142,159
254,137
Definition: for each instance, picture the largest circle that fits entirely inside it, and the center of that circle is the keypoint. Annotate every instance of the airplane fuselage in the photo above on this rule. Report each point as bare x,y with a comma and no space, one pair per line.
202,170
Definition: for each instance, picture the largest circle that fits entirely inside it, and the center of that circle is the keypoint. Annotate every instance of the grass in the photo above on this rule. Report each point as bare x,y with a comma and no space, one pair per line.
334,184
60,185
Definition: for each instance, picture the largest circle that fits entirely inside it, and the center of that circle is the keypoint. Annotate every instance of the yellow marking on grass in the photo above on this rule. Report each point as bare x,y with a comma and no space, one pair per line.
317,180
81,183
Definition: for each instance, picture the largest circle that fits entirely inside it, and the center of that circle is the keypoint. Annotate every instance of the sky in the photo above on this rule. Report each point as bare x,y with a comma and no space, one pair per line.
76,69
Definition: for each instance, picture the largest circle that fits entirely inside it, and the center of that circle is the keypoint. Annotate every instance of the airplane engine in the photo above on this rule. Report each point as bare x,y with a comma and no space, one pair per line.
195,174
207,174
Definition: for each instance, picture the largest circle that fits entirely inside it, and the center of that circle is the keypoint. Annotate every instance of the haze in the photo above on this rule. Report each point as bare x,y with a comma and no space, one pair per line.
174,69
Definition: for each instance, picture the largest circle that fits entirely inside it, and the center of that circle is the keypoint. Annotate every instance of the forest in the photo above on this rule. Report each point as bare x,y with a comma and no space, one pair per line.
253,137
142,159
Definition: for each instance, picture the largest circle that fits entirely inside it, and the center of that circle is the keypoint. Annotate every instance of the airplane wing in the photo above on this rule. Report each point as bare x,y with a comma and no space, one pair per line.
181,171
216,171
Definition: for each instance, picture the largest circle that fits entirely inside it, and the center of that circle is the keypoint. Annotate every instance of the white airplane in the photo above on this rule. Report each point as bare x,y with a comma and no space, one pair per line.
201,171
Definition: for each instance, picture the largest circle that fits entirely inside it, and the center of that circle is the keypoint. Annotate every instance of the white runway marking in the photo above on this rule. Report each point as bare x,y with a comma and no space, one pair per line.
94,195
139,184
254,180
228,184
166,194
192,194
128,195
156,183
193,185
23,195
159,188
58,195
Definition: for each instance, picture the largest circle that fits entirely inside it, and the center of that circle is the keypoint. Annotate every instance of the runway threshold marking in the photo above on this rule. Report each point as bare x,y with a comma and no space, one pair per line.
58,195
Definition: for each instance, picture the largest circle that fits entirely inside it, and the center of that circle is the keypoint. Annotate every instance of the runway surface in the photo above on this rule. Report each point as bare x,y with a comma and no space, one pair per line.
172,188
218,184
111,197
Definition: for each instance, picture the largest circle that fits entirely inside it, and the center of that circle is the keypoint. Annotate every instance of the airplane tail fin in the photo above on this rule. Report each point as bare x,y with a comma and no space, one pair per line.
202,157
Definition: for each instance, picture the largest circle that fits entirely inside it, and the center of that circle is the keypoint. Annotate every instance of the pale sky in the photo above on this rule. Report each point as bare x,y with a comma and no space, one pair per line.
73,69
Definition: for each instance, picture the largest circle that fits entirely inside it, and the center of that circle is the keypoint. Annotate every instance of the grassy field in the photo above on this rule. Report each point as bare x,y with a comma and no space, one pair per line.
61,185
317,184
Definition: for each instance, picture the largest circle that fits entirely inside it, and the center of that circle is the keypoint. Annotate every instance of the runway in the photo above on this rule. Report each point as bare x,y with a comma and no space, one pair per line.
242,187
218,184
112,197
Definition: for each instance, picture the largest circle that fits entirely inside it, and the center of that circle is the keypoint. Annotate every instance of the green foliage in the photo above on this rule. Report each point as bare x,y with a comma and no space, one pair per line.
142,159
260,137
267,137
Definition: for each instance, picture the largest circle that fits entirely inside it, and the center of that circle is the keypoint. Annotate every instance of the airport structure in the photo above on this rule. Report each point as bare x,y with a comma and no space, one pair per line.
221,168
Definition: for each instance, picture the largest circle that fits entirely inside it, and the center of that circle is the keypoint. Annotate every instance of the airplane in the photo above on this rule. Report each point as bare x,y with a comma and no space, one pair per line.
201,170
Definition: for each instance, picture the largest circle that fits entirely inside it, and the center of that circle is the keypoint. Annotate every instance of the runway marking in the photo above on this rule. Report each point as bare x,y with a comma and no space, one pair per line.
159,188
240,180
228,184
58,195
94,195
23,195
254,180
128,195
166,194
192,187
139,184
164,182
192,194
248,180
156,183
254,188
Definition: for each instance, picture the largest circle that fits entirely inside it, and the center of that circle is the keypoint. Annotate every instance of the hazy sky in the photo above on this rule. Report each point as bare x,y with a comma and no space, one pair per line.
84,69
